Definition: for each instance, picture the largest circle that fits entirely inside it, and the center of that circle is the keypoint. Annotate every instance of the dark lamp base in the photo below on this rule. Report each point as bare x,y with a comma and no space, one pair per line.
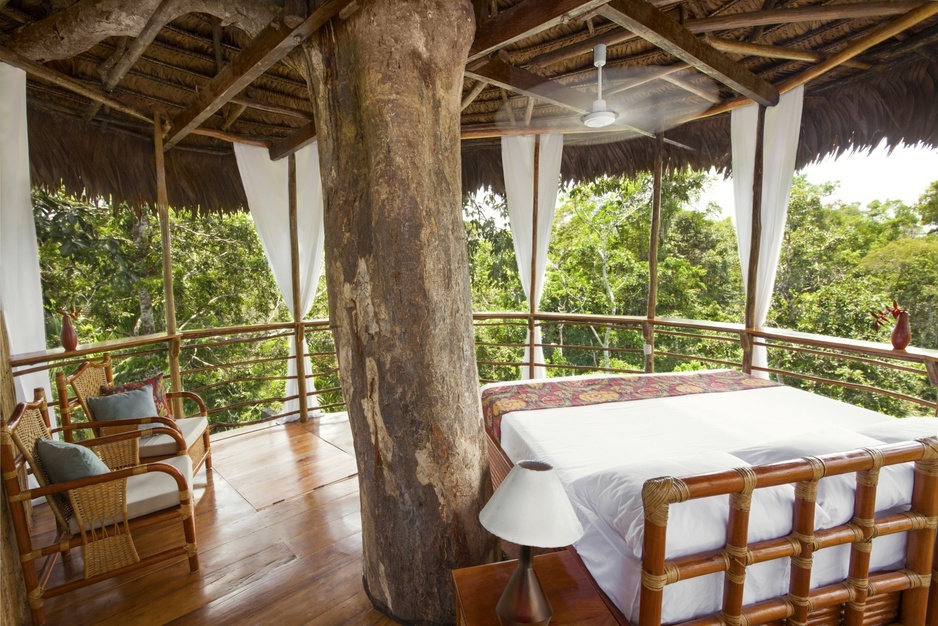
523,602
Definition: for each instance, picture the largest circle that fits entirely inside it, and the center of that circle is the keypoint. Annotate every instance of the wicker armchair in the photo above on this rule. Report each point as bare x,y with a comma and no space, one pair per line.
97,513
91,379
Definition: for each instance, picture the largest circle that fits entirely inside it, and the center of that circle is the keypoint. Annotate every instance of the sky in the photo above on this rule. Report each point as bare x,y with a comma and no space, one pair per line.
903,175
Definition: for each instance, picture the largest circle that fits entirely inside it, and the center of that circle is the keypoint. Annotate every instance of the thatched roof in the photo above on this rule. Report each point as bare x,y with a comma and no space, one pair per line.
888,92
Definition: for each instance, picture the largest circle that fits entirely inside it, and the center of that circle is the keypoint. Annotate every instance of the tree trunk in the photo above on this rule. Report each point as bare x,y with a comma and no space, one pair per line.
386,85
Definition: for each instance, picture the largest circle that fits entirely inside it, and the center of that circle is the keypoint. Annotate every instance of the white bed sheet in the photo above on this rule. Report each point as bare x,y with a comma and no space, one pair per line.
582,440
579,441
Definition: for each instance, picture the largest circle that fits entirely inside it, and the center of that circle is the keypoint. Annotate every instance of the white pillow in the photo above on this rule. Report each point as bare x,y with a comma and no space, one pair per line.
694,526
895,430
836,493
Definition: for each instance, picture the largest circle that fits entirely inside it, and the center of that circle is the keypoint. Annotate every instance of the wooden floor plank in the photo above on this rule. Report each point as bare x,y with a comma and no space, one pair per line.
271,465
296,560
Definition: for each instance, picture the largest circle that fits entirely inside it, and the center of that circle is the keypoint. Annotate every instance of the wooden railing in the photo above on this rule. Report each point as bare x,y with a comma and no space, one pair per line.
214,366
871,374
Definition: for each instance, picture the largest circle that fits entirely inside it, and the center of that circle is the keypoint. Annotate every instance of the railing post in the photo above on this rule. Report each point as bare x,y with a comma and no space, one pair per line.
533,293
755,242
745,342
932,368
648,328
162,204
299,336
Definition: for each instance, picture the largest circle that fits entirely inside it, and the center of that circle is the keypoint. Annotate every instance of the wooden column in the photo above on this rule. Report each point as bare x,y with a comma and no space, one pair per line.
14,608
532,293
299,336
755,242
648,327
162,204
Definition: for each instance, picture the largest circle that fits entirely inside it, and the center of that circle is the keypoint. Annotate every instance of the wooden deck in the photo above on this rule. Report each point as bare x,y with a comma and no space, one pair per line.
279,535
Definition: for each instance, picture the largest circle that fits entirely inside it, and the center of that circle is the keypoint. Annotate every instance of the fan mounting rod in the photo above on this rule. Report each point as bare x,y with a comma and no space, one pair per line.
600,116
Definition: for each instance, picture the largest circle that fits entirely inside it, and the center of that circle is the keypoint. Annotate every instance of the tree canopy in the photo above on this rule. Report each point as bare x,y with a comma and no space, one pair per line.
839,262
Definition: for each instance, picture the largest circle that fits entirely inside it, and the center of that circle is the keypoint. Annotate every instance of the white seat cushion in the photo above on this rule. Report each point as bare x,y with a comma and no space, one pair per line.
153,491
164,445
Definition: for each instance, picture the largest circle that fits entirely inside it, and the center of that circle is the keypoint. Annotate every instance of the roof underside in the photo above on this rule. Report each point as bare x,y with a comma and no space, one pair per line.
536,83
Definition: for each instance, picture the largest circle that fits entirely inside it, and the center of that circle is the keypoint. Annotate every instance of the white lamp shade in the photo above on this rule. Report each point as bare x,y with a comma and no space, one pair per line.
530,508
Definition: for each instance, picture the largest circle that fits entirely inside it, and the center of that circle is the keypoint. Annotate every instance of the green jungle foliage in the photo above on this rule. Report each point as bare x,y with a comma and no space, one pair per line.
839,262
106,260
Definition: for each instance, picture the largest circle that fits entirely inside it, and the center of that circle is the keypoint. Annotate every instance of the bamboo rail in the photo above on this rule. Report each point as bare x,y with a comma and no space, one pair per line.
697,333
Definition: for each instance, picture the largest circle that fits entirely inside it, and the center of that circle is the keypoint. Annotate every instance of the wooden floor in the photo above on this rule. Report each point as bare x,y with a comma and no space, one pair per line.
279,536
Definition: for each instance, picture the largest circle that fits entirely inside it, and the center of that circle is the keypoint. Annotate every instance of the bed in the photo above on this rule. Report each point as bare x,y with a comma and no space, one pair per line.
751,532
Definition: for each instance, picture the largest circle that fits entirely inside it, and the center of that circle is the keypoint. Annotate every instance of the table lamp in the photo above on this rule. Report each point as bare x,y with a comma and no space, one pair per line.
530,508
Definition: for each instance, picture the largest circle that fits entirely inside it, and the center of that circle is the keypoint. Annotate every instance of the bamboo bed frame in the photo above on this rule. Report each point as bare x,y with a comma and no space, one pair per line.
909,594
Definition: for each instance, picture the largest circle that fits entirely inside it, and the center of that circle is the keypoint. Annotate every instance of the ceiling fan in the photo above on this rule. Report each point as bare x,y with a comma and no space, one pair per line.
631,100
600,116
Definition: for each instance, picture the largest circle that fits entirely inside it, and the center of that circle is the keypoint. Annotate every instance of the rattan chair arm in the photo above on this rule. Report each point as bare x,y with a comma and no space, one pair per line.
203,411
62,487
160,430
136,421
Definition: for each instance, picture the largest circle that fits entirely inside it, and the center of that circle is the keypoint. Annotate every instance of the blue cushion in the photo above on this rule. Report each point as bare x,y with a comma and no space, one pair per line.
122,406
65,461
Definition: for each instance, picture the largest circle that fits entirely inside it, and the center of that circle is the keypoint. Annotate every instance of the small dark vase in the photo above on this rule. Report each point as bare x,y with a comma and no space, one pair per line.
901,334
69,336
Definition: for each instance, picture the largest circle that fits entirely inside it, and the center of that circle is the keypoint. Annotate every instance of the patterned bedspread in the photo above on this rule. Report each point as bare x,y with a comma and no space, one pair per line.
544,394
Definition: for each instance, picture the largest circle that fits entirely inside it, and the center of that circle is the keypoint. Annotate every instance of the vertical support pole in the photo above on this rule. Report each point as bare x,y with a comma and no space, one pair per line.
932,368
755,242
799,581
648,327
737,541
864,512
162,204
532,299
920,604
656,498
299,336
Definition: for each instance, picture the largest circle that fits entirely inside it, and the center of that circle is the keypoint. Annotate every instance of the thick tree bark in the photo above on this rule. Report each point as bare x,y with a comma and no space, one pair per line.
67,33
387,85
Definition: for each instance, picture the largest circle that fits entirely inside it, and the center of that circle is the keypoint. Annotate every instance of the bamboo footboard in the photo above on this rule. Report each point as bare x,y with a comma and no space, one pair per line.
908,596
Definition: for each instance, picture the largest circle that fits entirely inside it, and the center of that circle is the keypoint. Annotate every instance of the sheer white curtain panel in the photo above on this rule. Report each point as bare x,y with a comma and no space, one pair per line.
518,165
20,286
780,145
266,185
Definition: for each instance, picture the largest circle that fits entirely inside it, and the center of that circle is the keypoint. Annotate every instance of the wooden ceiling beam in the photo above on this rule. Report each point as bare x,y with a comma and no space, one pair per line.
710,96
654,26
162,15
472,95
557,126
57,78
893,28
271,45
128,127
827,12
924,38
498,72
776,52
881,34
647,77
302,137
253,103
525,19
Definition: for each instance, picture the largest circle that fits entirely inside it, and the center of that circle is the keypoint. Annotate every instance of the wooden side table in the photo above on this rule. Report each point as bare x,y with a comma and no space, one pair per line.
565,581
